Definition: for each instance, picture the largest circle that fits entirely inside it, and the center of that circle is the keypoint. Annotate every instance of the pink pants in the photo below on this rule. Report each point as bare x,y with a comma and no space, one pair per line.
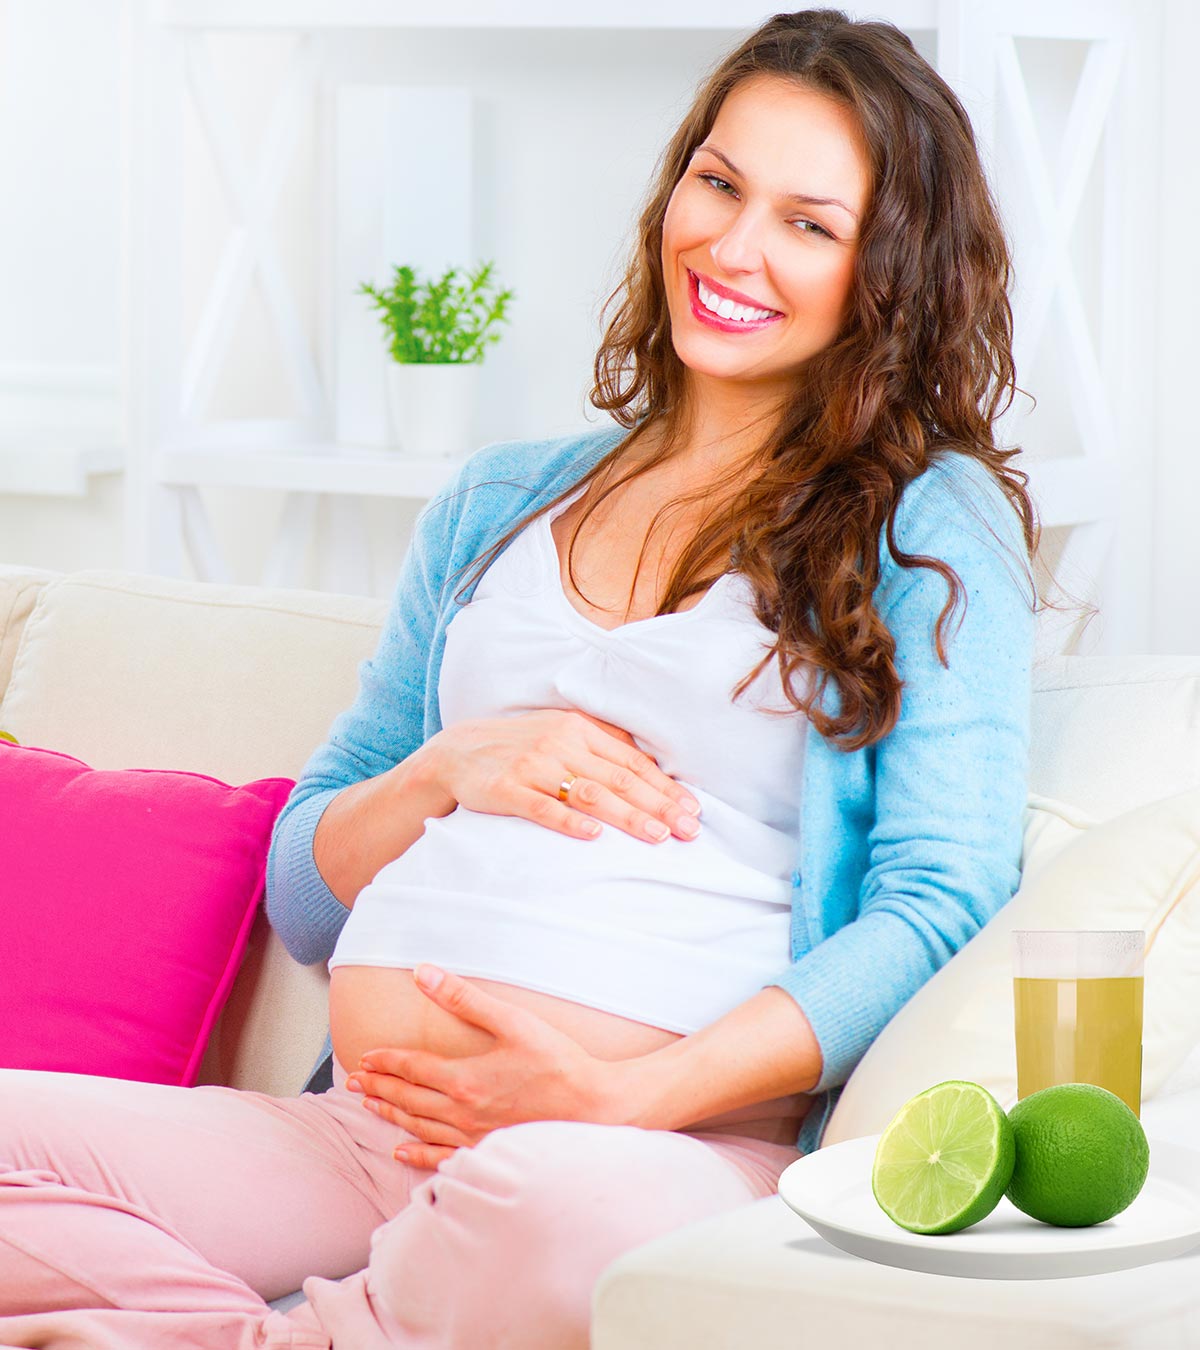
135,1215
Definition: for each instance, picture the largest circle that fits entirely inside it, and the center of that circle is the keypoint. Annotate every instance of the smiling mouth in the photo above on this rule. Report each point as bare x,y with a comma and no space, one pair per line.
707,306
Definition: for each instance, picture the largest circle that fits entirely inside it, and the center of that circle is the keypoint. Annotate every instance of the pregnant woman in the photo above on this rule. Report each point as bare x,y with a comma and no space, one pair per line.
692,747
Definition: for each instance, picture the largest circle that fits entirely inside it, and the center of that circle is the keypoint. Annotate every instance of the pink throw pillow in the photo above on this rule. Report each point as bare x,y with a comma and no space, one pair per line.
127,898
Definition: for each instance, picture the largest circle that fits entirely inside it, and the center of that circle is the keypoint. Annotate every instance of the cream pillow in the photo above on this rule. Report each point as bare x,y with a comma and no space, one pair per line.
1139,870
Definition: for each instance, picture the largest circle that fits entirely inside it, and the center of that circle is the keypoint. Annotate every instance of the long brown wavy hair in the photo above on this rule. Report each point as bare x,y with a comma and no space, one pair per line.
923,363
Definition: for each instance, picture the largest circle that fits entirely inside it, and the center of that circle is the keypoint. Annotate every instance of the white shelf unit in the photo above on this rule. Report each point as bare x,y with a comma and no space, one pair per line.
1100,493
309,468
42,462
58,428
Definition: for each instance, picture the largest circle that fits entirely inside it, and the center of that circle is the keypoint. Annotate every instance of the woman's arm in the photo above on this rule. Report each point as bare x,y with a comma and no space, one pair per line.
944,844
941,856
532,1071
762,1049
374,821
377,735
364,796
950,781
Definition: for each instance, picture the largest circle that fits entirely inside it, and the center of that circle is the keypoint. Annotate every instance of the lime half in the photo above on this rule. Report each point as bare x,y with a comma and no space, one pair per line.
945,1159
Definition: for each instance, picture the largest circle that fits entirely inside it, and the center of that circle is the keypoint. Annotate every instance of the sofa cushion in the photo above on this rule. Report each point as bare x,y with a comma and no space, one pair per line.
129,897
237,682
1140,870
19,590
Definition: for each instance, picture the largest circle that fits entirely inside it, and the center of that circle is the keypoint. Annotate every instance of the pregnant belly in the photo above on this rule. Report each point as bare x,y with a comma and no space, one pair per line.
376,1007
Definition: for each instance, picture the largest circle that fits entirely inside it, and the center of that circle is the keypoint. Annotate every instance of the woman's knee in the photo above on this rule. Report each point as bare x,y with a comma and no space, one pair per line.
511,1212
536,1212
541,1189
542,1169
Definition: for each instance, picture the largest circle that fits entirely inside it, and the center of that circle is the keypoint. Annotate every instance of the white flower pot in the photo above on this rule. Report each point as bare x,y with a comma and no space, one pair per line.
433,407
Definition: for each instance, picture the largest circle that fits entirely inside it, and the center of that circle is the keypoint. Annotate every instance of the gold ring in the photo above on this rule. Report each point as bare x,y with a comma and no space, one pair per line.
565,787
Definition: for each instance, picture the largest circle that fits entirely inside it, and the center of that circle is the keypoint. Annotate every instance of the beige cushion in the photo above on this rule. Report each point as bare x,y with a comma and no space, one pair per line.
1140,870
19,590
129,671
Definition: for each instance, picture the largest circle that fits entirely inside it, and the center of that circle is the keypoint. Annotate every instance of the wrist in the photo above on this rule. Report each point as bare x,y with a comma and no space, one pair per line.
639,1092
418,778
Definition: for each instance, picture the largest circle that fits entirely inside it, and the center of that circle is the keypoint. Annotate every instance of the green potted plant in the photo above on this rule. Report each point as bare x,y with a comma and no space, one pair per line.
436,332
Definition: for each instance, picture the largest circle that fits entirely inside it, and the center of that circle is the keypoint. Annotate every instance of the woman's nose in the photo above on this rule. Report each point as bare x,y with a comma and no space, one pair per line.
741,247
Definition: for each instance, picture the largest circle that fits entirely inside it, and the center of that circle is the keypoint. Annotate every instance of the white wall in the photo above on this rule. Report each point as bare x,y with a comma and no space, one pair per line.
60,282
59,167
1170,242
567,129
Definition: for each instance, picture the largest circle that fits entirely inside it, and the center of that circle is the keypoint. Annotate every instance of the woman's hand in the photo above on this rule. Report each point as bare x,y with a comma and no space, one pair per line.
532,1071
513,766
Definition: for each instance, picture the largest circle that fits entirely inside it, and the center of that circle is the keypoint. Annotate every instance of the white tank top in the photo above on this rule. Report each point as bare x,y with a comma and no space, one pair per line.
673,934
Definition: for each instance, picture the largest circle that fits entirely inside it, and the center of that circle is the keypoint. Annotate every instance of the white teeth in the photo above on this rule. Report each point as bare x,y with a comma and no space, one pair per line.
729,309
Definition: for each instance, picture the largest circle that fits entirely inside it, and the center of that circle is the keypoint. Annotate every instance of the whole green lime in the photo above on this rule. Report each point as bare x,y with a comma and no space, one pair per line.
1082,1155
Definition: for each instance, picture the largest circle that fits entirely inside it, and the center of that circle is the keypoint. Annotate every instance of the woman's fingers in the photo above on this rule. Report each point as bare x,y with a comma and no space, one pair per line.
425,1156
553,814
589,803
634,777
514,766
616,794
401,1104
626,754
427,1131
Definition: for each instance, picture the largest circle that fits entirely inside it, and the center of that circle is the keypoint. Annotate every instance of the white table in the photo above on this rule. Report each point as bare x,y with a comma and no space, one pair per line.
760,1278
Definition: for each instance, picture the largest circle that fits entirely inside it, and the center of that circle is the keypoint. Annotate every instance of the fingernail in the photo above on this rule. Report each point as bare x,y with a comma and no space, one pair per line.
689,828
366,1065
429,976
353,1085
658,830
692,807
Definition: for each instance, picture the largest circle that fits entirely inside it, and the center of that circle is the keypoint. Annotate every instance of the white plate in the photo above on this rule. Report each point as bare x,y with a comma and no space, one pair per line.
831,1189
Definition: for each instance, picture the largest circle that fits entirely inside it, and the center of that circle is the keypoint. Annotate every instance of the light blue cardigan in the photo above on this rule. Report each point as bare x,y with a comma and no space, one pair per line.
907,848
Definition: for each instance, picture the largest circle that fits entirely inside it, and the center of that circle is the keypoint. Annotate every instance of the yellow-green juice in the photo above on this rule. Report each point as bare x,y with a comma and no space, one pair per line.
1080,1031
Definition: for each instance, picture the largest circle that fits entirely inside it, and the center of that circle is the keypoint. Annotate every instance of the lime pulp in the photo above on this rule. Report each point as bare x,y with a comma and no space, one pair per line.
945,1159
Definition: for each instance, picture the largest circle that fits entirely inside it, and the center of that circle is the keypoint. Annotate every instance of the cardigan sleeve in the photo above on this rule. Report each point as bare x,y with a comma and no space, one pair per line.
943,847
391,716
383,726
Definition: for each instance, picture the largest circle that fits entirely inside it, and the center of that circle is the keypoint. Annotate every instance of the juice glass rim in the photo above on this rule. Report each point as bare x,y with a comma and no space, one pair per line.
1078,953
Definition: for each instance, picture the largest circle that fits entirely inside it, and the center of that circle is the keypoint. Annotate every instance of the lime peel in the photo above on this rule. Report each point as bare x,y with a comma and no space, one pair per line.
1082,1155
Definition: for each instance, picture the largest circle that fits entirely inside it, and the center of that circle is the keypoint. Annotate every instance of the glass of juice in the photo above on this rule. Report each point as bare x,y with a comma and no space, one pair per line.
1077,997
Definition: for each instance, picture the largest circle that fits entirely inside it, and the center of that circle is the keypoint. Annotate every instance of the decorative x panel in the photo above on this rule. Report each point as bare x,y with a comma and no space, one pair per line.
252,202
1055,213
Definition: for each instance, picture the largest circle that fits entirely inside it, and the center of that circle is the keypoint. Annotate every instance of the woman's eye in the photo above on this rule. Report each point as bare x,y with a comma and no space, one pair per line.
712,179
721,185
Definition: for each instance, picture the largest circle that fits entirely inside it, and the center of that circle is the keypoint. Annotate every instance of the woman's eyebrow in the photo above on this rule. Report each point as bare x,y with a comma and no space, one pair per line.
800,198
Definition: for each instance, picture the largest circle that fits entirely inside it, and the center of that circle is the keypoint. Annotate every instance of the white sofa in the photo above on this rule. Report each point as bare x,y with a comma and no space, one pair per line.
130,671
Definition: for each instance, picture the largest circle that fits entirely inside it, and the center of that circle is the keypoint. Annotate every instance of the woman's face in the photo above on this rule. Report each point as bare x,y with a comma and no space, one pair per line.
767,215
